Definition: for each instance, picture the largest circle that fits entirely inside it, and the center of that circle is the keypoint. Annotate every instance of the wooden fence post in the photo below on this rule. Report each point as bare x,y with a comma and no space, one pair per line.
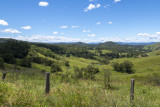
4,76
132,90
47,88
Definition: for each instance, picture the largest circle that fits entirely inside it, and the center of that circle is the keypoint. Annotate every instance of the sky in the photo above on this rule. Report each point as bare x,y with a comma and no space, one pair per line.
80,20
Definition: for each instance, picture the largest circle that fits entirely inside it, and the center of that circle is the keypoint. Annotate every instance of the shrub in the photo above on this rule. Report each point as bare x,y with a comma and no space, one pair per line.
55,67
26,62
66,63
78,72
90,71
144,55
87,72
115,65
125,66
104,61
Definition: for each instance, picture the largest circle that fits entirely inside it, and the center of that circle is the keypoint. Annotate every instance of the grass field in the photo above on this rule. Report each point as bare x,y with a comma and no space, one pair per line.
26,87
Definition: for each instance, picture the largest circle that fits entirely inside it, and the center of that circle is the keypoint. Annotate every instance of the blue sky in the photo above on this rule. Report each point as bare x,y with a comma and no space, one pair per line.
80,20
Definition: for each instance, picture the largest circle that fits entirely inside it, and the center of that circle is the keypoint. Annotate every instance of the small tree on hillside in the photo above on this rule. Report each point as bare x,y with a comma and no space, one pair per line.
55,67
125,66
128,67
90,71
78,72
26,62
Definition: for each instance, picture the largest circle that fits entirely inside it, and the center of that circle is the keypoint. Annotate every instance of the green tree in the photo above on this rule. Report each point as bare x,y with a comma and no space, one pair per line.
125,66
90,71
78,72
128,67
55,67
26,62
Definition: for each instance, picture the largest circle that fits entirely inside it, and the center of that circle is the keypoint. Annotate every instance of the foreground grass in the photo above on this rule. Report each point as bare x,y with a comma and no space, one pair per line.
26,87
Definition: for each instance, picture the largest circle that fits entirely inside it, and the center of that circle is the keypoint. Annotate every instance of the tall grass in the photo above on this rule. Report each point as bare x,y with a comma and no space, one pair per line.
26,88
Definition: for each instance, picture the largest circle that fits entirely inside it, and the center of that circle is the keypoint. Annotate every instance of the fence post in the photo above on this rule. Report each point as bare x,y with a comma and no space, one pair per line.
132,90
47,88
4,76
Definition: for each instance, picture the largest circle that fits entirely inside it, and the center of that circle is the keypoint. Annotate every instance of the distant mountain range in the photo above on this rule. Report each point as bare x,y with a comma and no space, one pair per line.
120,43
80,43
132,43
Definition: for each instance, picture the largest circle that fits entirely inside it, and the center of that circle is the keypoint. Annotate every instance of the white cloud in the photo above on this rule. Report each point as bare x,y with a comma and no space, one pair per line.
75,26
117,1
110,22
92,35
98,23
64,27
86,31
10,31
55,33
44,4
149,36
26,27
143,34
98,5
158,33
2,22
92,6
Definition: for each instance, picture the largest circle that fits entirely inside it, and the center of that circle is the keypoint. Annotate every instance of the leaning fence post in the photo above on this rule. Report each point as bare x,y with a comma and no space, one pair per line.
132,90
47,88
4,76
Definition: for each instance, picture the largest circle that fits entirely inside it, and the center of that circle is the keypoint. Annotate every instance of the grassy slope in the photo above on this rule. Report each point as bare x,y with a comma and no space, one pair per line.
29,90
152,47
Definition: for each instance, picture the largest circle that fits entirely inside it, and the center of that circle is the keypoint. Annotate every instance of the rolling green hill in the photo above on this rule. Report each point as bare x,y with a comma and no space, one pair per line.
25,86
152,47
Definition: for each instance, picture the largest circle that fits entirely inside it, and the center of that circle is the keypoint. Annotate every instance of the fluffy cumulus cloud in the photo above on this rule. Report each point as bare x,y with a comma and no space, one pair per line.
13,31
55,32
43,3
98,23
117,1
64,27
110,22
92,6
75,26
92,35
26,27
4,23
